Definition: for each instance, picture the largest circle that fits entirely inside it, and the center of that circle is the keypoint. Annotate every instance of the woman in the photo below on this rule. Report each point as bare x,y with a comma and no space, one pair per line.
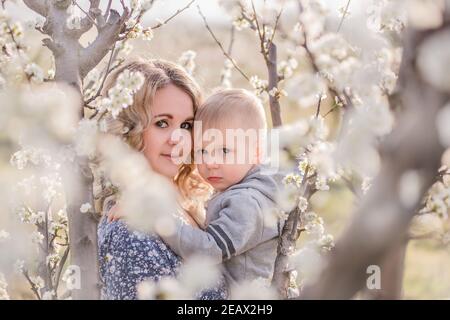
166,102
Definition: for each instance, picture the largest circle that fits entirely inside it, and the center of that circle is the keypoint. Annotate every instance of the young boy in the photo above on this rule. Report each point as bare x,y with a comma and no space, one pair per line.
238,230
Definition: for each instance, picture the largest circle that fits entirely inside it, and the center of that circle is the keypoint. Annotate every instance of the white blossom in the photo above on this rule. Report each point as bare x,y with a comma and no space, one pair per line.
258,84
308,262
51,186
322,184
146,196
85,207
258,289
386,15
54,227
121,95
425,225
125,48
53,259
304,89
38,282
37,237
287,198
438,199
19,266
131,80
198,273
302,204
147,34
36,156
49,295
187,61
277,93
4,235
86,135
3,286
241,23
135,5
35,73
321,159
366,184
425,14
167,288
37,217
326,241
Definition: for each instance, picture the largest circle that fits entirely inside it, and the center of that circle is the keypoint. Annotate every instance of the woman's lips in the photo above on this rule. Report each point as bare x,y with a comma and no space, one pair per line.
169,156
172,159
214,179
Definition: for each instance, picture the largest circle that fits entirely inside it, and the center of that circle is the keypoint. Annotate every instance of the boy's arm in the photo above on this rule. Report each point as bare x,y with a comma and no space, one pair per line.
237,229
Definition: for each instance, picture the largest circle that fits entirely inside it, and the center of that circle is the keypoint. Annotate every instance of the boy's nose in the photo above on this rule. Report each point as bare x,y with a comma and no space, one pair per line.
210,165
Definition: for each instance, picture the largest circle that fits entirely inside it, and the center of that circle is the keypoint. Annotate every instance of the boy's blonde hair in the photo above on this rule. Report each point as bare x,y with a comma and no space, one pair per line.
232,105
132,121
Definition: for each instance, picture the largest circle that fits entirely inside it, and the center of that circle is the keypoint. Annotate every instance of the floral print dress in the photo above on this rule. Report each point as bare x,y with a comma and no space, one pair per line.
129,257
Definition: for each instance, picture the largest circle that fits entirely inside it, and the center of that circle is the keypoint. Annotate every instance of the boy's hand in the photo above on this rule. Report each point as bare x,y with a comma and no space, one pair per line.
114,214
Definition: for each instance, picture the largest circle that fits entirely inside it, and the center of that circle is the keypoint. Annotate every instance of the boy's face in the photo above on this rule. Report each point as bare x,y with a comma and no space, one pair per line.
226,155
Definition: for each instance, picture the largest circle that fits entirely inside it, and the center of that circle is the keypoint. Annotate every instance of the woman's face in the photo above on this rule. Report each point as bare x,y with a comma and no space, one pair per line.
172,110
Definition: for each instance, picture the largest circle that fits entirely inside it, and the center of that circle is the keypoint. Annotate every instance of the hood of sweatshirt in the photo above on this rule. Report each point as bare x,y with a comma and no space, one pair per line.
263,179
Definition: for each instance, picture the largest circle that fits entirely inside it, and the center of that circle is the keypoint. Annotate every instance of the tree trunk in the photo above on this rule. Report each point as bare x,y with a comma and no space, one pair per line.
377,232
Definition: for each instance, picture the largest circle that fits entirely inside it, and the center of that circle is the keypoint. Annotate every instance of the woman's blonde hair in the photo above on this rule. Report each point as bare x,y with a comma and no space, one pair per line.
132,121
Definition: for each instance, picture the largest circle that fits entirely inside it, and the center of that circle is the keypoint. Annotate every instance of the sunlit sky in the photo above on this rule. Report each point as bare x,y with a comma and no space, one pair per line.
211,8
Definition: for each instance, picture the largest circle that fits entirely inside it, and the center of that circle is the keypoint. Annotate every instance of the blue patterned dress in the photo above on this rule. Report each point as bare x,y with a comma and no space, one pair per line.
129,257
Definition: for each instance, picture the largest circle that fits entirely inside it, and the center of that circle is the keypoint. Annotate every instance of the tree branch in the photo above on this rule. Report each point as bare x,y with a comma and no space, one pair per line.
38,6
107,36
89,20
287,240
173,15
225,53
107,71
381,221
344,14
33,286
60,268
54,47
274,102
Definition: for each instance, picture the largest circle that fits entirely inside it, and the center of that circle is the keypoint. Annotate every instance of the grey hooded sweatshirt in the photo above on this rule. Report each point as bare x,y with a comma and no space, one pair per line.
242,229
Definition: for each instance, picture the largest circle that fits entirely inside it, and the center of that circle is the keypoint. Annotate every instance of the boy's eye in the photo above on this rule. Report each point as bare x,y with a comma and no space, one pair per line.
161,124
202,151
226,150
186,126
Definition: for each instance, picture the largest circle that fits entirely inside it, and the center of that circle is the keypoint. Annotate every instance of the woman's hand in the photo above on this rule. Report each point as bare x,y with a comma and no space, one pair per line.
114,213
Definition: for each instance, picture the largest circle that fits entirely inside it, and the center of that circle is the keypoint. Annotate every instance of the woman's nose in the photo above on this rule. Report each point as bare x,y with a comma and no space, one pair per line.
172,141
174,138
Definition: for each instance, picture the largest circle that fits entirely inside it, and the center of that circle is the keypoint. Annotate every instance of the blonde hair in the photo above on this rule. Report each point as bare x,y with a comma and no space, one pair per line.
232,105
132,121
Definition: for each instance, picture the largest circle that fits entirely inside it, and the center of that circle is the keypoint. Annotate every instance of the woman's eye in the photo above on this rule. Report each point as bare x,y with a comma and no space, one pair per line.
186,126
226,150
161,124
202,151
